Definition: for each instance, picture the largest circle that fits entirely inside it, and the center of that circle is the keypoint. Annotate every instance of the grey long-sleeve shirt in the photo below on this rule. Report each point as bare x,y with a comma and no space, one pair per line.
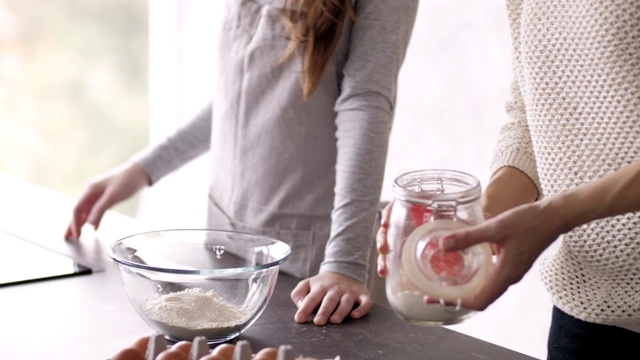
309,173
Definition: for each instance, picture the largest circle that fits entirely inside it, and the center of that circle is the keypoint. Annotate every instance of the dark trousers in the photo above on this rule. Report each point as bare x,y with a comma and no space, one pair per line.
574,339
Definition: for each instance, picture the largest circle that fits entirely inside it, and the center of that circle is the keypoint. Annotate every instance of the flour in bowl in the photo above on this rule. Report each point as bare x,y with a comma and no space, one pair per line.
194,312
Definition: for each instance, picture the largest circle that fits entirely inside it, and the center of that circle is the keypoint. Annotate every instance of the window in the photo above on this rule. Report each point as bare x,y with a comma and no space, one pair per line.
73,89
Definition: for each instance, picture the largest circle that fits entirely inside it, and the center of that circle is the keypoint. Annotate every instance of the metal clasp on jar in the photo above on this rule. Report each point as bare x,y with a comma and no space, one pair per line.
444,209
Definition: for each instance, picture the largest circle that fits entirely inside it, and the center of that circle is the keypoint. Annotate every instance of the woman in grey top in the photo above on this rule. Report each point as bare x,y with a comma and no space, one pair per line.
298,131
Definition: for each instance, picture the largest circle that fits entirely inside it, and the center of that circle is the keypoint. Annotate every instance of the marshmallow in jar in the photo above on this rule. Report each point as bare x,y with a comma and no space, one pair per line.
428,205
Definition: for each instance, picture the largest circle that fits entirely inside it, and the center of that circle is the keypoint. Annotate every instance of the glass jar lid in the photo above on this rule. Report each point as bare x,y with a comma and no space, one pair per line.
442,275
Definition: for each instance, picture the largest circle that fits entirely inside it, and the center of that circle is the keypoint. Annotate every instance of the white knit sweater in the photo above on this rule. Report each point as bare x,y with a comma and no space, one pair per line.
575,117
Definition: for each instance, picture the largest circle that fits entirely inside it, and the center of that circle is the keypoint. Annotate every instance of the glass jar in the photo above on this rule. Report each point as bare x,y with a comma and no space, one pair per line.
429,204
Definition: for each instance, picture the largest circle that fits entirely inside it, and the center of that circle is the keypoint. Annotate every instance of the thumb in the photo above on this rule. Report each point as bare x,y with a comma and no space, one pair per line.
462,239
300,292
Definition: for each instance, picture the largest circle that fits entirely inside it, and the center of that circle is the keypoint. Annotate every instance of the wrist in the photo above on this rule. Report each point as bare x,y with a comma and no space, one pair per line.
568,210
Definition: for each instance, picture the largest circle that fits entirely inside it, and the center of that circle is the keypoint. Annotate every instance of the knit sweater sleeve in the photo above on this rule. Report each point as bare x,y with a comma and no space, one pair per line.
514,147
187,143
378,42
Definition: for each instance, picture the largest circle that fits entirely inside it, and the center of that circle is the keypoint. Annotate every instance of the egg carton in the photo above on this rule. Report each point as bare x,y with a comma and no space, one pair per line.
200,347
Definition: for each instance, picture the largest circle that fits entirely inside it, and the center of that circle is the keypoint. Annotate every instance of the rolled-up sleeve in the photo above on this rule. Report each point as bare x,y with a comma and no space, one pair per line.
514,147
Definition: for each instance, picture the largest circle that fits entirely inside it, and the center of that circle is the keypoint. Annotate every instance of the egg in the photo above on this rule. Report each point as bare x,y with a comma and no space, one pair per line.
172,354
128,354
184,346
225,351
212,357
141,344
267,354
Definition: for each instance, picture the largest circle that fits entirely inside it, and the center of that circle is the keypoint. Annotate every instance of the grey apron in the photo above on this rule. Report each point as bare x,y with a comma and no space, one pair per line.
273,154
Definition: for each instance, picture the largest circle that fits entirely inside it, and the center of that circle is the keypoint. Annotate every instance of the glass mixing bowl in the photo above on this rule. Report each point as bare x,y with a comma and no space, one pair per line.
186,283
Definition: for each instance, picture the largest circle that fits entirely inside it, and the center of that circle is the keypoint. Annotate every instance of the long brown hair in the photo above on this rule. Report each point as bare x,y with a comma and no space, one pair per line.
315,27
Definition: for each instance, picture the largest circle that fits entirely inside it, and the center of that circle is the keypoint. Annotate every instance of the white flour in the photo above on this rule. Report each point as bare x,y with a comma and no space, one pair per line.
194,312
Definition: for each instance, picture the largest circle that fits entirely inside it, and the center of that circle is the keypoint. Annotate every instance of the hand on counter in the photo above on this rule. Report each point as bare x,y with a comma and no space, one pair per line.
334,295
104,192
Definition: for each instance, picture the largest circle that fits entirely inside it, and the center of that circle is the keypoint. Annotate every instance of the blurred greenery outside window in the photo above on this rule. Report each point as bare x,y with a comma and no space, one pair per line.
73,89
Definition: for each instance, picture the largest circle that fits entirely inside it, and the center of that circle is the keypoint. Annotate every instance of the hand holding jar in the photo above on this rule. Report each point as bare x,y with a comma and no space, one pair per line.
425,284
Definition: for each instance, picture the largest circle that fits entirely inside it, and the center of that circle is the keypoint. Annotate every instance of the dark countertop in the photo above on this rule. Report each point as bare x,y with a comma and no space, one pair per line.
379,335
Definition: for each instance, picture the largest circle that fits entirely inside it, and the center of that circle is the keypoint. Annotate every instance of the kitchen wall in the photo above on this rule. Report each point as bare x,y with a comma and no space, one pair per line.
452,93
453,87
